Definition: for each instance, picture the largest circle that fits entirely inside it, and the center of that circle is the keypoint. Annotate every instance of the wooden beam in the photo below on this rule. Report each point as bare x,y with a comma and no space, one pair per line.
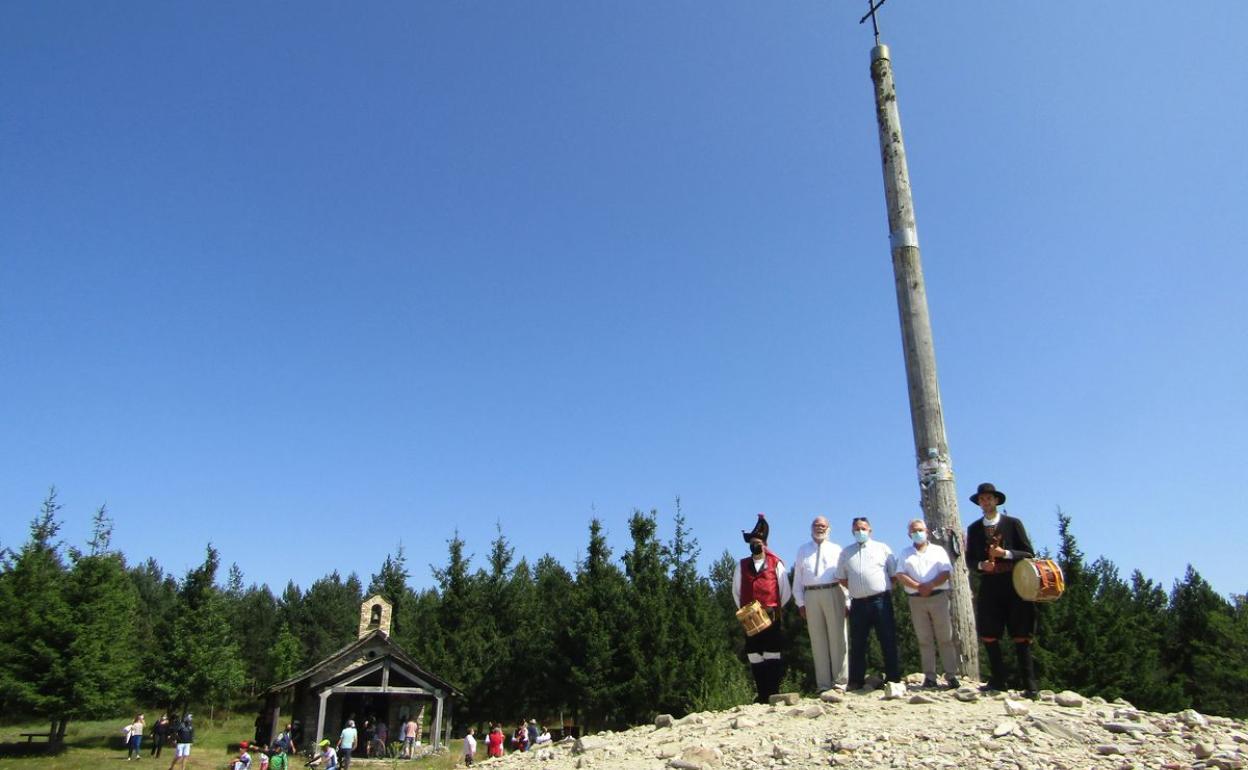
382,690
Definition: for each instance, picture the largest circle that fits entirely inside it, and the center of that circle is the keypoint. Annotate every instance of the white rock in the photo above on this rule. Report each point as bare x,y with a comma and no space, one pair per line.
785,698
1017,708
920,699
1004,728
894,690
1193,718
1069,698
588,743
742,723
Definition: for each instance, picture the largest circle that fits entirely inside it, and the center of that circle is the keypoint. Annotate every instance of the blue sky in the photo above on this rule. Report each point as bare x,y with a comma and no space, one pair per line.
308,279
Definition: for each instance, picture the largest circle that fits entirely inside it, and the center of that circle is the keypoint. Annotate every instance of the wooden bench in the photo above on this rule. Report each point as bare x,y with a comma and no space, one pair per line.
31,736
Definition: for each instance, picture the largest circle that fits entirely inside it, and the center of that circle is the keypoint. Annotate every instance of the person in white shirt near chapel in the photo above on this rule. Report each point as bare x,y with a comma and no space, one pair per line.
866,569
821,601
924,573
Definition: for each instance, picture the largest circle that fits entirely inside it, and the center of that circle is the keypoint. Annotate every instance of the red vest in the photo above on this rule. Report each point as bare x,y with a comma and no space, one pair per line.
765,585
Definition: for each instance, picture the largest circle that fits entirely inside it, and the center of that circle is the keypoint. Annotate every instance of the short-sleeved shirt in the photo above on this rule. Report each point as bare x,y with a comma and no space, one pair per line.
470,744
869,567
924,565
346,739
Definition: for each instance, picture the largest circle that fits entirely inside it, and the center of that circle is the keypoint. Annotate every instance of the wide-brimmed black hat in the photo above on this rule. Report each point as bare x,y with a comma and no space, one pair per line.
760,530
987,488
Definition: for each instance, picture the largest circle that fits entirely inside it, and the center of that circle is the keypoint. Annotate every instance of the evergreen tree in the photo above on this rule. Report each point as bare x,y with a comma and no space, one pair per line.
102,664
285,655
38,627
157,596
462,652
329,616
599,664
205,663
391,582
649,665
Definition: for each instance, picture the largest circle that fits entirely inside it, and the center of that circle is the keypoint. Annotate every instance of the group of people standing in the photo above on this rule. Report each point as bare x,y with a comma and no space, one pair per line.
835,587
178,730
527,735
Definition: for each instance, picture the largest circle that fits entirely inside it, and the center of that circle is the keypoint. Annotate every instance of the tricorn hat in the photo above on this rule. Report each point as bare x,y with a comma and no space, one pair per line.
987,488
760,530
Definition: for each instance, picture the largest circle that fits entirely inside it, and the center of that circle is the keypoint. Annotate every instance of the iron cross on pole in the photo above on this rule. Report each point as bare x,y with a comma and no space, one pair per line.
874,6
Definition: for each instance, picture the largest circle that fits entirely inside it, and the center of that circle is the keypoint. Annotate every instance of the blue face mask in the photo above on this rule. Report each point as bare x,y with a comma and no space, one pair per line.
919,537
862,535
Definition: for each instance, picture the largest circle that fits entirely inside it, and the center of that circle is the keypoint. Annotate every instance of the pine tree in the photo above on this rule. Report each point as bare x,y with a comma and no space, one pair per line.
157,595
599,663
285,655
205,664
102,659
649,665
38,627
391,582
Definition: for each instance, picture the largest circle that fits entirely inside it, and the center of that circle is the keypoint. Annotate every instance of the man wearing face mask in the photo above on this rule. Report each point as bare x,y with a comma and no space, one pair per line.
993,545
821,601
924,574
866,570
762,576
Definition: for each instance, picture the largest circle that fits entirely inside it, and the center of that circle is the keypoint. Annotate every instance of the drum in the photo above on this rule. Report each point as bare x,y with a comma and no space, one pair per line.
754,619
1039,580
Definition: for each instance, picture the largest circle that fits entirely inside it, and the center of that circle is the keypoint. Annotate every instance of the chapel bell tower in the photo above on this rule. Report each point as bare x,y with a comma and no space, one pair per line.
375,616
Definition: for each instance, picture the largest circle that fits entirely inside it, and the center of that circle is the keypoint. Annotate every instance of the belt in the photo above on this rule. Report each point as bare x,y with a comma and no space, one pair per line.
821,586
872,597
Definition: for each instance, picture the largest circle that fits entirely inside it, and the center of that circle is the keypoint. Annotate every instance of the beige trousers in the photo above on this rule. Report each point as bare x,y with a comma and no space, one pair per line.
825,620
934,628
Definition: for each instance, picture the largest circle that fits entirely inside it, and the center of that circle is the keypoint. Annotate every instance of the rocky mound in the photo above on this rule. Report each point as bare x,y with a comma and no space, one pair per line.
901,727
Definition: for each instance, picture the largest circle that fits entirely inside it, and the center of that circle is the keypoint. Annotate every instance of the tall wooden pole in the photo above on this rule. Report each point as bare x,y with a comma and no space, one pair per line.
938,495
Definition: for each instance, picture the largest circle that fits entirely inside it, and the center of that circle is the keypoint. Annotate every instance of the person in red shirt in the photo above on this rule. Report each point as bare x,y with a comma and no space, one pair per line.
762,576
494,742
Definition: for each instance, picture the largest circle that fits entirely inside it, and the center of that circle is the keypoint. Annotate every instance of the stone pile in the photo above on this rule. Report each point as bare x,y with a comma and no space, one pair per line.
926,729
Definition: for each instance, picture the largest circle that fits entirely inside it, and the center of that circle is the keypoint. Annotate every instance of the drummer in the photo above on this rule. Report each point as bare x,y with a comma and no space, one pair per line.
994,544
762,576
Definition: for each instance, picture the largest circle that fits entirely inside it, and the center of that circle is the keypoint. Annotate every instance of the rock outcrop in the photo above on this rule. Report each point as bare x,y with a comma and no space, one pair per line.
926,729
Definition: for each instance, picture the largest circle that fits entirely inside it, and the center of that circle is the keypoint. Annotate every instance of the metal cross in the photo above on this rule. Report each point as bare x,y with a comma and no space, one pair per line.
874,6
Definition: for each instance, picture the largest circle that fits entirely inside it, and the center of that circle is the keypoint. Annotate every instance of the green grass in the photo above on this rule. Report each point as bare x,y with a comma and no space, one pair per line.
98,744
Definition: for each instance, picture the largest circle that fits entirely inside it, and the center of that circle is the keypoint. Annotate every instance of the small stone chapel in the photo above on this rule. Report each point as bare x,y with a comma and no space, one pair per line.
370,678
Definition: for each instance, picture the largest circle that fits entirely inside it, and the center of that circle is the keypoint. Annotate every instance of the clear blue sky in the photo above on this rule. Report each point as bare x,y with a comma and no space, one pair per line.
305,279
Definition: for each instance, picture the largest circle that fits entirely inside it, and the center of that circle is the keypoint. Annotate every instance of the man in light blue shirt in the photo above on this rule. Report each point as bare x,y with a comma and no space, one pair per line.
866,569
346,744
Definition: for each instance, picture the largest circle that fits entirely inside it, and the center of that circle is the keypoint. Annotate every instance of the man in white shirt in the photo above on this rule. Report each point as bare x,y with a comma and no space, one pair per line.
821,601
924,574
866,570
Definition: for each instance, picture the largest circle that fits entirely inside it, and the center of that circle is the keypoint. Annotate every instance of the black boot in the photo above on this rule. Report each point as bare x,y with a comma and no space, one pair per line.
996,662
775,675
1026,670
760,672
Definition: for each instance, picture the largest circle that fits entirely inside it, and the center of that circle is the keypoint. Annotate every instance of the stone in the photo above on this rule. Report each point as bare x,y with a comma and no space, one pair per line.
664,720
966,694
921,699
812,712
742,723
1069,699
587,743
1107,748
894,690
545,755
1017,708
1055,728
1128,727
831,696
1193,718
691,719
1004,728
785,698
704,756
847,745
684,764
1203,749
